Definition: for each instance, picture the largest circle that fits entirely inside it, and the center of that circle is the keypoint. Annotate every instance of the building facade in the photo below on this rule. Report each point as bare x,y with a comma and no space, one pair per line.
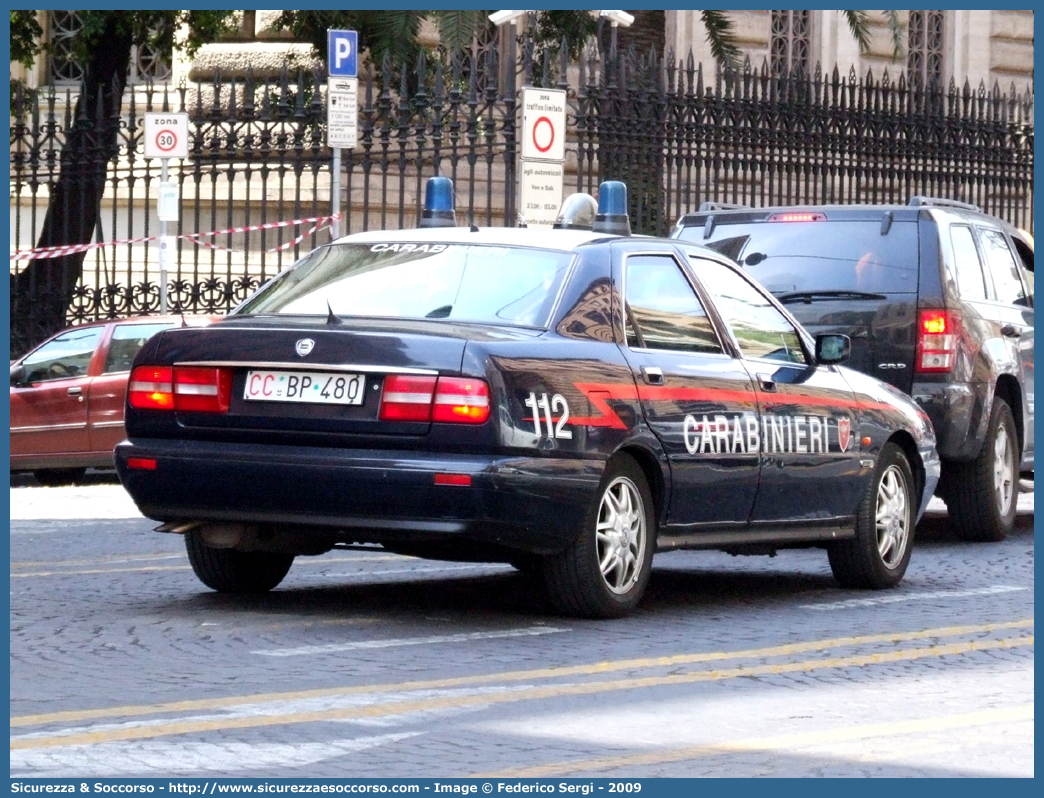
974,46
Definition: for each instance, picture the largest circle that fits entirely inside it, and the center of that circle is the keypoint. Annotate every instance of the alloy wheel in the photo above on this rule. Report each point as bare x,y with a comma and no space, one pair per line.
893,517
621,535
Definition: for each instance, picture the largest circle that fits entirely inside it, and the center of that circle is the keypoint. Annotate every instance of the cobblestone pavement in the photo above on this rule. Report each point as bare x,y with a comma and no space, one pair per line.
364,663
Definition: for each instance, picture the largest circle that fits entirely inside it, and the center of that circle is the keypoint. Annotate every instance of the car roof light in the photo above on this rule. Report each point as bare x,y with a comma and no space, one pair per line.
438,203
578,212
612,209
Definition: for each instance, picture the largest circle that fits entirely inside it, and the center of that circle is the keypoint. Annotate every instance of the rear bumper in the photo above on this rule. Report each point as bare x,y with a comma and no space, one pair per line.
957,412
531,504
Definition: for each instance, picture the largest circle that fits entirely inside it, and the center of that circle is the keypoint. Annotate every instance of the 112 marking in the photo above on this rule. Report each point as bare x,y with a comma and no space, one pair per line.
556,403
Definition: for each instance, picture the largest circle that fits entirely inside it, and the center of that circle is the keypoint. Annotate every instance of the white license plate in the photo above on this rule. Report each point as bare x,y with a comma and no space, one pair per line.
312,387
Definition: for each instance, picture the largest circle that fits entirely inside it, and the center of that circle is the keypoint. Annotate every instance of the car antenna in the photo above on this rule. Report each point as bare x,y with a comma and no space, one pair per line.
471,223
332,318
183,322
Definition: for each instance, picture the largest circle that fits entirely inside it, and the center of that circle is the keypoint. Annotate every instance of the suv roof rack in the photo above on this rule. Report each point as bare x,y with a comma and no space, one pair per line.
943,203
721,206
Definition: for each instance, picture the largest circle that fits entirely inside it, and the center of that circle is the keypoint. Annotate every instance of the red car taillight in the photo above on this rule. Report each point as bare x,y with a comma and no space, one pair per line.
202,390
407,398
937,336
151,388
458,400
461,400
188,388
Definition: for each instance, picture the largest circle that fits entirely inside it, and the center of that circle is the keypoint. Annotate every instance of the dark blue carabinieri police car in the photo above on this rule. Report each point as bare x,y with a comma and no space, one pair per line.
570,401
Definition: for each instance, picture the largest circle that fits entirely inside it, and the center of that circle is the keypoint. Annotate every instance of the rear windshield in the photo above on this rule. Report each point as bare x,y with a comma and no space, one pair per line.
820,256
460,282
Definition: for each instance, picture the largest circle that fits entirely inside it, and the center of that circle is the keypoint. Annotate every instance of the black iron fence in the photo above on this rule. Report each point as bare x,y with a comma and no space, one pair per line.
256,190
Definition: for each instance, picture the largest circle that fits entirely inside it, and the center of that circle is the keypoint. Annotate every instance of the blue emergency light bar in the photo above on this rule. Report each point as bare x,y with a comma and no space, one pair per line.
612,209
438,203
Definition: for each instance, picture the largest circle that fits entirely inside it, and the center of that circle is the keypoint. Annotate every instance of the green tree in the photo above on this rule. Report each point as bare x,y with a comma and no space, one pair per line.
103,49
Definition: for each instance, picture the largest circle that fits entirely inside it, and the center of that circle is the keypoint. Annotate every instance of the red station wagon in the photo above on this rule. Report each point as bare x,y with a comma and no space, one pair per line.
67,396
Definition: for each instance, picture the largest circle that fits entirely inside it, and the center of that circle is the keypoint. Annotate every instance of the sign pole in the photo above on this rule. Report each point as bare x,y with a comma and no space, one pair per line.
166,137
164,256
342,101
335,190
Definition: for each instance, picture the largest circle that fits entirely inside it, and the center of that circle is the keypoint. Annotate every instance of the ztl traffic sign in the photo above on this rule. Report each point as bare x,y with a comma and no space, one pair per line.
342,53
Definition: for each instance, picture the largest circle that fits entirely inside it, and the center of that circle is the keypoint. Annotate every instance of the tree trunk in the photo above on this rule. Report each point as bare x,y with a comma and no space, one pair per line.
42,292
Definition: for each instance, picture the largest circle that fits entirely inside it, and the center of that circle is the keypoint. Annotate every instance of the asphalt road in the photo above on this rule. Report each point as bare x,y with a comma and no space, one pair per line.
368,664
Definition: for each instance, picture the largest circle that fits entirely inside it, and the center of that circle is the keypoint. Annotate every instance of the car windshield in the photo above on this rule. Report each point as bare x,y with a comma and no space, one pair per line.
459,282
790,257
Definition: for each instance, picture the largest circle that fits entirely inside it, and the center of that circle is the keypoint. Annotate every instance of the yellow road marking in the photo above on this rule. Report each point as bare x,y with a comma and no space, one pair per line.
144,568
527,694
783,742
193,705
139,569
95,560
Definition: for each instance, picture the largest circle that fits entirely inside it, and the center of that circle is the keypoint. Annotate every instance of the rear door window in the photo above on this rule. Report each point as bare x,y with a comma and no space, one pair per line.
788,257
662,310
1003,269
126,340
970,281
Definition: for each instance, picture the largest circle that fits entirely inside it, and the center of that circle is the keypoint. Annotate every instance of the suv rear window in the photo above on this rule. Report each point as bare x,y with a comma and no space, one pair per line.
458,282
788,257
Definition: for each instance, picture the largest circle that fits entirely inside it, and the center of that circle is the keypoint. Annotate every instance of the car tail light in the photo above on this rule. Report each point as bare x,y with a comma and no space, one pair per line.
457,400
461,400
151,388
937,335
202,390
407,398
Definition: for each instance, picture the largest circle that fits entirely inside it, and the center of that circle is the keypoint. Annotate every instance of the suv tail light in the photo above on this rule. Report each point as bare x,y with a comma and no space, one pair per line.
457,400
188,388
937,336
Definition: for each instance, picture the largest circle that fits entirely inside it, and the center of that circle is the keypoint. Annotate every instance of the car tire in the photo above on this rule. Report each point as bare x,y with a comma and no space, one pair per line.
56,477
985,491
231,571
604,571
878,555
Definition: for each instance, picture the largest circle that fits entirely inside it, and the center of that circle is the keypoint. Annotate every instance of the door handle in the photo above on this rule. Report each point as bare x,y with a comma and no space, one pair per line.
766,382
1010,331
76,391
652,375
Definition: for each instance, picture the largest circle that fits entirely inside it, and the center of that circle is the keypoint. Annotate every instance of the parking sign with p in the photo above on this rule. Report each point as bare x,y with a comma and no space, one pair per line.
342,53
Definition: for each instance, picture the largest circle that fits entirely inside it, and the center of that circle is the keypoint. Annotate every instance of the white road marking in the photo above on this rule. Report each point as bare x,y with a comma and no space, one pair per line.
185,756
72,503
416,570
465,637
288,707
899,597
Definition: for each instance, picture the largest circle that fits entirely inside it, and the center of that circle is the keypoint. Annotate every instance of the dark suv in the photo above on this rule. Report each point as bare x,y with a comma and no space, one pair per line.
937,298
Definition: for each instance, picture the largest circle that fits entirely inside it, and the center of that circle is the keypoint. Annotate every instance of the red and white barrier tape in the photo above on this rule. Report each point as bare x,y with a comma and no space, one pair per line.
320,222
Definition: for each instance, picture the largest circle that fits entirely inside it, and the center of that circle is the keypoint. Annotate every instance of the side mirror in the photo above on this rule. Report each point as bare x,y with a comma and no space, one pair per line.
833,348
17,374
